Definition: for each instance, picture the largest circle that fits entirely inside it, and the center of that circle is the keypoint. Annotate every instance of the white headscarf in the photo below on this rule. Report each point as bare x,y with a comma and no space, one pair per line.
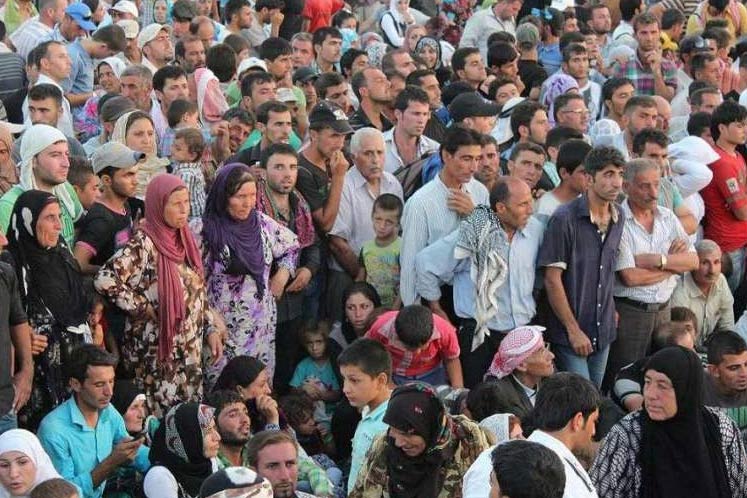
499,425
396,14
37,138
689,159
27,443
116,64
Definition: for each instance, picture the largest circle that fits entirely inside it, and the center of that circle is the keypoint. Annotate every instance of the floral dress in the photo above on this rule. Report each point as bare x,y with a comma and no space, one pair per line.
130,281
250,319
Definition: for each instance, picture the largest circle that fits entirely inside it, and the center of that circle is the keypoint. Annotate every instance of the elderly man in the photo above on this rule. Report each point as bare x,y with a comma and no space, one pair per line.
353,225
654,249
706,292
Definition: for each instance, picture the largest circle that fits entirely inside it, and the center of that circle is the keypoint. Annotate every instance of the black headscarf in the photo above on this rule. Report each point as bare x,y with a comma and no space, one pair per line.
52,276
124,394
416,409
682,456
177,445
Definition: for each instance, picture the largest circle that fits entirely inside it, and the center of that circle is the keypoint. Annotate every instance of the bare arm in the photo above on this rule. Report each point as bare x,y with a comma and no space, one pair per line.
637,277
20,336
344,255
83,257
454,372
78,99
325,216
686,217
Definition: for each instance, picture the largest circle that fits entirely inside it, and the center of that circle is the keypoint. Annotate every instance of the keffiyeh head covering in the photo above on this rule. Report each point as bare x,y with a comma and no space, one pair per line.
177,444
482,239
27,443
499,424
517,346
557,84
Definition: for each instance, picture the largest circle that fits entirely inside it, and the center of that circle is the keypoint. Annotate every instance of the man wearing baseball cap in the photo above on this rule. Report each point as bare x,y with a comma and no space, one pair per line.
304,78
124,10
76,23
155,43
131,54
108,224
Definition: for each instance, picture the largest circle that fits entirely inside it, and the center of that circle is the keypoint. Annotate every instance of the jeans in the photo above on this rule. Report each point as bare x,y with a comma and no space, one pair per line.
435,377
8,421
592,367
737,268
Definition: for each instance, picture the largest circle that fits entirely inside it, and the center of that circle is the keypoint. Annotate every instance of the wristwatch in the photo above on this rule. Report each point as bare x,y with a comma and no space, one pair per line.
663,261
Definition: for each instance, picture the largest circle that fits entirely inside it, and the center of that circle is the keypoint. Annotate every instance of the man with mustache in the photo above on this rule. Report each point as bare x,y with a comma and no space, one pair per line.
275,124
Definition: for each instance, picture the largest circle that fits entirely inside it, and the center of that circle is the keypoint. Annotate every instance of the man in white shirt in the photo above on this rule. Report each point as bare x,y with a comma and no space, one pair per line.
54,67
405,143
499,17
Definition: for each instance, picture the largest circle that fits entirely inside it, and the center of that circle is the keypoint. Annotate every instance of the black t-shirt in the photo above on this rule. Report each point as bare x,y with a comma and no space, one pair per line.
313,183
532,74
104,232
11,313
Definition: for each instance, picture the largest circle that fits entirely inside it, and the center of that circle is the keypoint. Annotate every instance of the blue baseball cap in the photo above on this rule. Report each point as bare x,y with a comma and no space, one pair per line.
80,13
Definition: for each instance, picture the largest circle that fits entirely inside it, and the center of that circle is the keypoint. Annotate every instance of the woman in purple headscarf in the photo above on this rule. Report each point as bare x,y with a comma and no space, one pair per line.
241,247
554,86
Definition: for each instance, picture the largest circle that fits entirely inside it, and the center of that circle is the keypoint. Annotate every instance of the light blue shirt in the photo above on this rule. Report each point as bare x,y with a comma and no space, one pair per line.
369,428
76,449
81,71
436,265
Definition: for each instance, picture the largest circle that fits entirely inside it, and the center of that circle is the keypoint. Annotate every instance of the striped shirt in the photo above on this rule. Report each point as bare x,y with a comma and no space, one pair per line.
637,240
13,84
29,35
426,219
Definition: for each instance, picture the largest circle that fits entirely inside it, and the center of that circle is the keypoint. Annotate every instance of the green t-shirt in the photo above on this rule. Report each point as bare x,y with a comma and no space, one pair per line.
254,138
382,269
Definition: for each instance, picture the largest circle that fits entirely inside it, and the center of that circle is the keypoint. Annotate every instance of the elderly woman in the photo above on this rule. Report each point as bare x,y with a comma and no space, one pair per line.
674,446
135,129
157,280
23,464
184,452
241,247
53,296
8,168
425,452
87,117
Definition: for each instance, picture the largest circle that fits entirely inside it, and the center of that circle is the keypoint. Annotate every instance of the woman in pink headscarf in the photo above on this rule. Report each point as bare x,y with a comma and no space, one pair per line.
157,280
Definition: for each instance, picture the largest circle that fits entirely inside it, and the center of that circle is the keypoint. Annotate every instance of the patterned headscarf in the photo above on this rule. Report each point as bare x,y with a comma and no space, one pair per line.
429,41
557,84
482,239
517,346
177,444
376,51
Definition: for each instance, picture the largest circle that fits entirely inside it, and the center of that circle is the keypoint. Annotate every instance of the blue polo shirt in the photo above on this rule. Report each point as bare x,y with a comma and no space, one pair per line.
76,449
573,242
81,70
369,428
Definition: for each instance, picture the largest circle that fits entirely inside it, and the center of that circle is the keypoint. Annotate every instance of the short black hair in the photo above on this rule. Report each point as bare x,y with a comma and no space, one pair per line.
88,355
388,202
221,60
722,343
572,154
254,78
649,135
485,399
322,33
459,136
602,156
560,134
274,47
359,81
244,116
573,49
501,36
698,123
560,397
645,101
410,93
562,100
264,110
416,77
727,113
178,109
718,33
611,85
671,18
370,356
526,147
460,56
568,38
496,84
523,114
233,7
169,71
341,16
326,80
500,53
272,149
683,314
43,91
348,58
298,407
525,469
696,97
268,4
699,61
221,398
80,171
238,43
414,325
697,85
628,9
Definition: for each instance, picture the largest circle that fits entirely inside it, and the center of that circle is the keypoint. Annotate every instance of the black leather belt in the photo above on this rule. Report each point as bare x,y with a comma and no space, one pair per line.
649,307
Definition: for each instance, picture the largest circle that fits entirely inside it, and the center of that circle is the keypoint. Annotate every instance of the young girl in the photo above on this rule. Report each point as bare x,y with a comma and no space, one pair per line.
186,152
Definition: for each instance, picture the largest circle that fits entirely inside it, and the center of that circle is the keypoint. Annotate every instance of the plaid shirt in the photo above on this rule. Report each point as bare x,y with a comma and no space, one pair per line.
643,78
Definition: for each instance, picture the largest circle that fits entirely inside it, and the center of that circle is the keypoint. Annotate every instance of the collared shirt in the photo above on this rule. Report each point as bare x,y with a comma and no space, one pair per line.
643,78
76,448
531,393
65,121
714,311
480,26
587,256
637,240
359,119
81,73
27,36
550,57
353,222
436,265
369,428
145,62
55,35
578,484
426,219
393,161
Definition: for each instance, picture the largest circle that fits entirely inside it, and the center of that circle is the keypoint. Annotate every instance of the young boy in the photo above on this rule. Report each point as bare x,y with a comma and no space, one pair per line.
379,258
186,152
366,369
423,346
84,182
180,114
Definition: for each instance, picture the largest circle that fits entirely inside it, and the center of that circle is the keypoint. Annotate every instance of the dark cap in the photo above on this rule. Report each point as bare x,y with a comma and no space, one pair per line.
184,9
466,105
304,75
693,44
328,114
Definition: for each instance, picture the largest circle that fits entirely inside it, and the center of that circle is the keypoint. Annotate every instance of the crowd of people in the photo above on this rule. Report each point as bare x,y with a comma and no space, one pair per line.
424,249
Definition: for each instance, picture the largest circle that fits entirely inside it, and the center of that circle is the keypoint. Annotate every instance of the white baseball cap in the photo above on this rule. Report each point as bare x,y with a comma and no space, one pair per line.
126,7
150,32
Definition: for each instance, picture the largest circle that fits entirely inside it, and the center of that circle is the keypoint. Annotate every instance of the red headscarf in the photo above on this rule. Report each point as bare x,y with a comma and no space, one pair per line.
174,247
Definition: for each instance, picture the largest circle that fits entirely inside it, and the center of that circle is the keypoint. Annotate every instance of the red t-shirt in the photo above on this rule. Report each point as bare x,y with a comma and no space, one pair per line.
320,12
727,191
443,345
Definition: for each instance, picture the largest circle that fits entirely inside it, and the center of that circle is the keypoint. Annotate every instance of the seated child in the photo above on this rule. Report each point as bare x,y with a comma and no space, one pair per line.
313,437
424,347
315,374
186,152
366,369
379,258
84,182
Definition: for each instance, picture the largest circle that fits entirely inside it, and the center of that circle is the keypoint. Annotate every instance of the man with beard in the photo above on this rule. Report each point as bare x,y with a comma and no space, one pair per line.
328,49
640,112
169,84
234,426
581,325
565,418
274,124
405,143
155,42
725,384
274,455
190,53
372,89
600,22
238,16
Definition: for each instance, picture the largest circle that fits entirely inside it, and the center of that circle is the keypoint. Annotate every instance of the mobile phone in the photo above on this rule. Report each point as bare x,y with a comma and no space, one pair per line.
140,435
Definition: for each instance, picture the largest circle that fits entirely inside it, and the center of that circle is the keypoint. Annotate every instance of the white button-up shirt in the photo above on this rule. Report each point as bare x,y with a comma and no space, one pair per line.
65,121
578,484
392,159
